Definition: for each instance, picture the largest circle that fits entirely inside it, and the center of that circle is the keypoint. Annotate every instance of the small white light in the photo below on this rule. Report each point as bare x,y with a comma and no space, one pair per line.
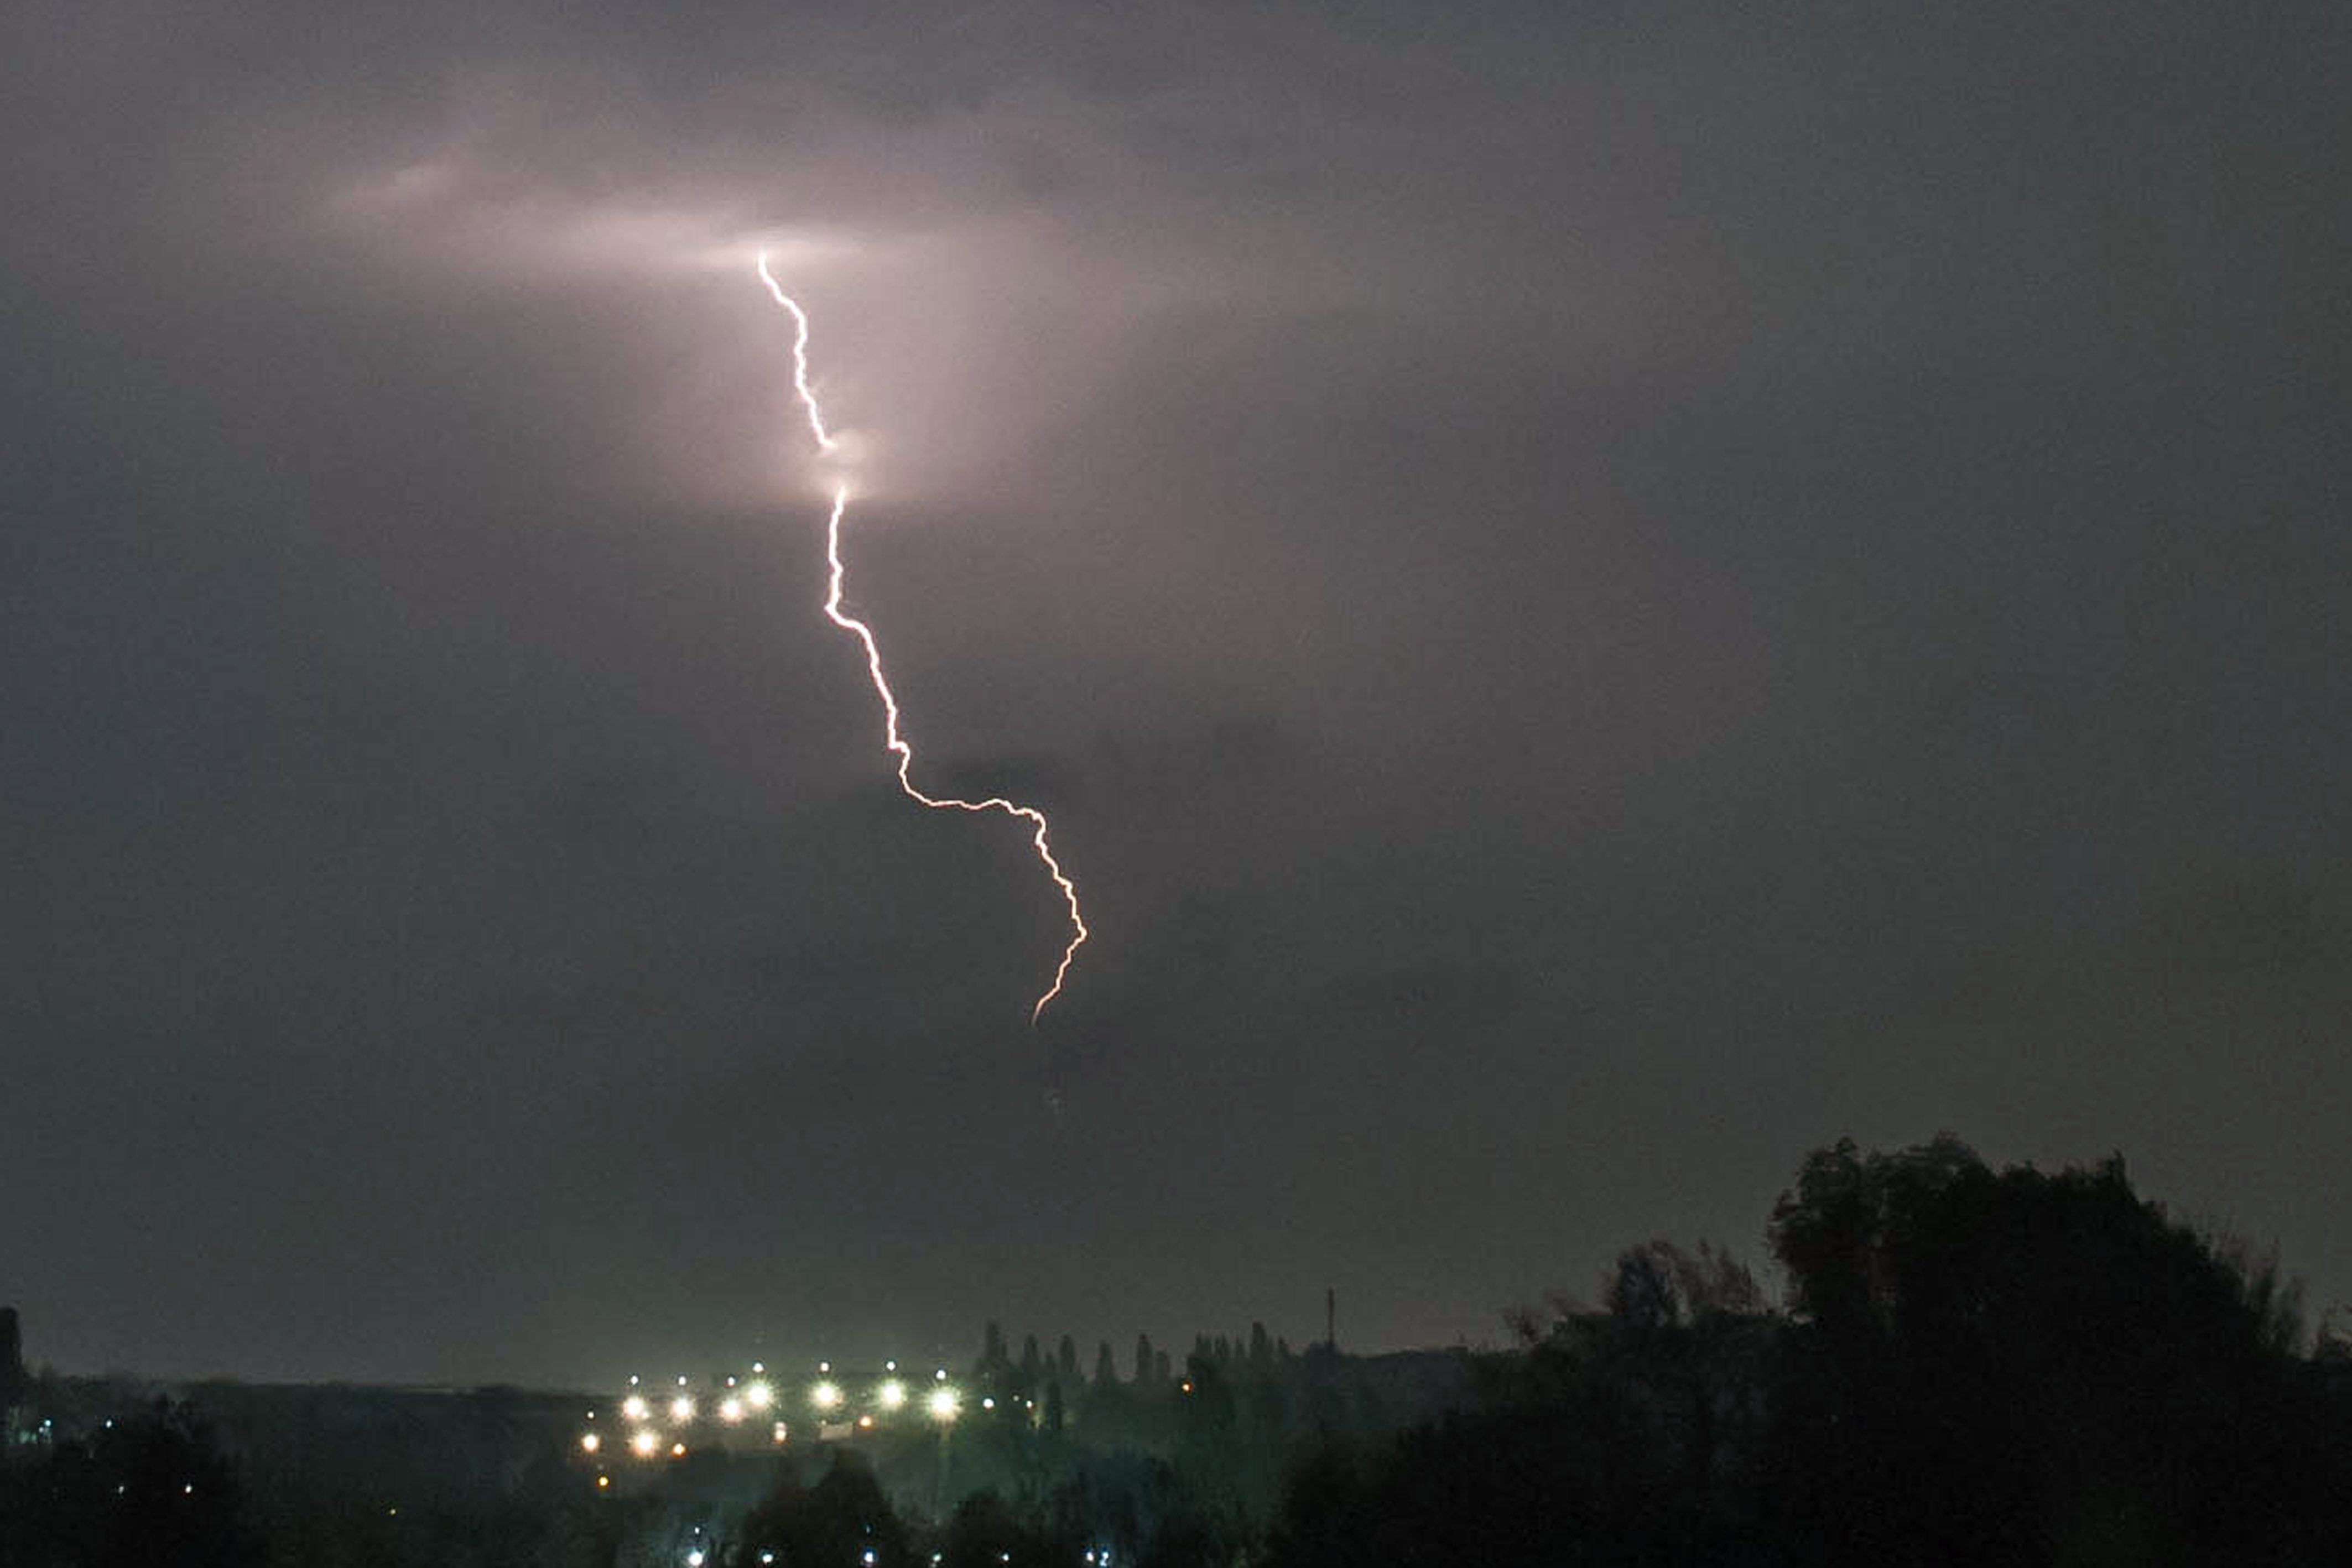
893,1394
681,1409
730,1410
634,1408
826,1395
590,1442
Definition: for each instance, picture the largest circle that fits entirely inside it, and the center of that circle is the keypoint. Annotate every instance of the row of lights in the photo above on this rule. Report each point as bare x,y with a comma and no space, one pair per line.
942,1403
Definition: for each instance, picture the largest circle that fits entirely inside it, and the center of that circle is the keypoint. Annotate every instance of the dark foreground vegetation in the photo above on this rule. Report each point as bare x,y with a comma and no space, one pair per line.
1968,1366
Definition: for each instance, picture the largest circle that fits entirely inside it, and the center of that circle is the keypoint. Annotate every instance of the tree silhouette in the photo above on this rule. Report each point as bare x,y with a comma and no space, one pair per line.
838,1520
1995,1367
149,1488
14,1382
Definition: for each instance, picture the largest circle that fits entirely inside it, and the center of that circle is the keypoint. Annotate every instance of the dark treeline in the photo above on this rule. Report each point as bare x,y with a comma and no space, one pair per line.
1974,1366
1965,1366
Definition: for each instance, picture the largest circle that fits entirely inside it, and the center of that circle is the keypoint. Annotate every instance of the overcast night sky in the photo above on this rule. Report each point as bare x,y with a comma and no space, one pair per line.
1600,595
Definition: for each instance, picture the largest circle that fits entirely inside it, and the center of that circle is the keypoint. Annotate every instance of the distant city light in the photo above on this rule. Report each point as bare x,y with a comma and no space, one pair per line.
678,1450
780,1431
942,1404
826,1395
604,1483
590,1442
758,1394
893,1394
644,1443
988,1401
634,1408
865,1423
730,1410
681,1409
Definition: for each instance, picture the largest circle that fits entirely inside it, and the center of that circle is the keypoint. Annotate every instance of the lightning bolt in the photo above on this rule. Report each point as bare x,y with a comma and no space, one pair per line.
892,738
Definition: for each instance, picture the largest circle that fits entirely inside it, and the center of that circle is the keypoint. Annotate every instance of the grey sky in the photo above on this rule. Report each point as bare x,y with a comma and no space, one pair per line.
1600,596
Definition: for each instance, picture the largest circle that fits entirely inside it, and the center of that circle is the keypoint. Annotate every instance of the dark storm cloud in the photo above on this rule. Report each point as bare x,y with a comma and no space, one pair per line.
1600,598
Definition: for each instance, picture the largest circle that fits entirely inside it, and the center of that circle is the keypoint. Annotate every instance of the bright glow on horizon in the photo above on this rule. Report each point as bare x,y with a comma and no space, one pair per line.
892,739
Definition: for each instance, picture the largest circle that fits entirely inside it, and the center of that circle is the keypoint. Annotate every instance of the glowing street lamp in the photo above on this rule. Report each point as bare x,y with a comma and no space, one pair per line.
942,1403
893,1394
826,1395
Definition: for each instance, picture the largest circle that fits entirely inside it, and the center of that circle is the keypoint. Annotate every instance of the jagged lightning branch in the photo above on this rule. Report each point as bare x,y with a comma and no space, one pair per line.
865,636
